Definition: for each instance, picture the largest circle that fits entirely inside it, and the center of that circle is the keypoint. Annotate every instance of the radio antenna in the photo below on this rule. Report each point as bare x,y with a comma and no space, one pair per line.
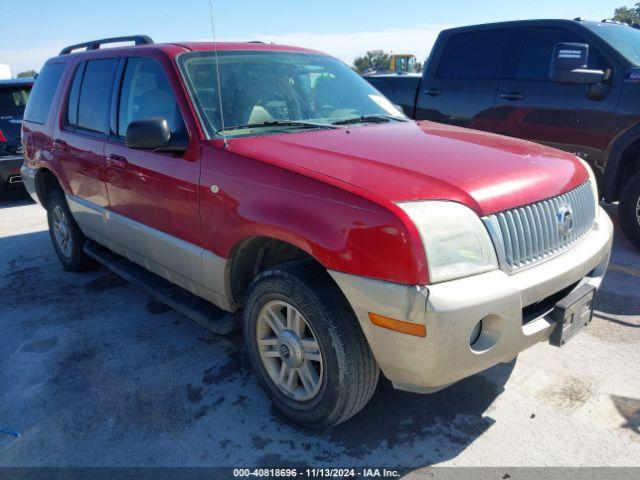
215,52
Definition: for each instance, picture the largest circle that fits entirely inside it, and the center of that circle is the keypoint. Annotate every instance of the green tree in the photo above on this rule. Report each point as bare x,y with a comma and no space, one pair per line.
629,15
27,74
372,59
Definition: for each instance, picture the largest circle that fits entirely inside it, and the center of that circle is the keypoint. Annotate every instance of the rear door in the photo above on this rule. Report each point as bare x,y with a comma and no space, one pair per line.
78,141
532,106
13,99
461,81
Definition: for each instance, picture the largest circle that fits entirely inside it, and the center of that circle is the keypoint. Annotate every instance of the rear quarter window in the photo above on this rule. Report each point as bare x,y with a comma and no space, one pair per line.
44,89
475,55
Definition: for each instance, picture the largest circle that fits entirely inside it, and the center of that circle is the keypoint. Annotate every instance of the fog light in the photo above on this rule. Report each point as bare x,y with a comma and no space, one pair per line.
475,333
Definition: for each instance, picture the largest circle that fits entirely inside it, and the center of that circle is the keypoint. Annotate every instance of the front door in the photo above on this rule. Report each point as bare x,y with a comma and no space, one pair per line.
562,115
153,197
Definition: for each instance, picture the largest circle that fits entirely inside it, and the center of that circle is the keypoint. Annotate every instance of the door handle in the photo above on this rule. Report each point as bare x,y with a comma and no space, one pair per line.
513,96
433,92
60,144
117,161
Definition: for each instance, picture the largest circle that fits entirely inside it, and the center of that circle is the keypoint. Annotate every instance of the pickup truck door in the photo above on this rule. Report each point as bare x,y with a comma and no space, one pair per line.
461,78
153,197
532,106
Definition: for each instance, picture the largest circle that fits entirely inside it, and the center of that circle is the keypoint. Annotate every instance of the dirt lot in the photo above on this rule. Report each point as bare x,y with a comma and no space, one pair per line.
96,373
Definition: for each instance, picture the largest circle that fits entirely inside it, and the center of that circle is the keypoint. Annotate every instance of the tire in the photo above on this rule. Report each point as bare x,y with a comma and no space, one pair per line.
629,210
62,225
3,190
346,372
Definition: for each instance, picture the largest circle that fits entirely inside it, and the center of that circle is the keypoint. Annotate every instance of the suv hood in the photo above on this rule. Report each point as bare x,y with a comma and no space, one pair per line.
423,160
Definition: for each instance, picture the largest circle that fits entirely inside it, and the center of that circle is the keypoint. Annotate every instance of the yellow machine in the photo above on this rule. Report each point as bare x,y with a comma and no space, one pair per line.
402,63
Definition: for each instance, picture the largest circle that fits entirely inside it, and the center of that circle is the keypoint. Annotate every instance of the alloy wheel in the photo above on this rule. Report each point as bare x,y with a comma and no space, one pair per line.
62,232
289,350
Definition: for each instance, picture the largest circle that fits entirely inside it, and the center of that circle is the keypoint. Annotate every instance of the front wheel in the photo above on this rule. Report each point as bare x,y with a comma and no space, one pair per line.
68,241
629,210
306,346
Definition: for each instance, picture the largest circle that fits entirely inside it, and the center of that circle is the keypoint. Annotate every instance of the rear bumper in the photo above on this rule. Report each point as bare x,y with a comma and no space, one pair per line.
10,169
29,181
450,311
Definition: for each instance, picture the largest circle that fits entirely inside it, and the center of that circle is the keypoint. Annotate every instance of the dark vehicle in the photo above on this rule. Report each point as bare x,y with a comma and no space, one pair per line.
13,98
570,84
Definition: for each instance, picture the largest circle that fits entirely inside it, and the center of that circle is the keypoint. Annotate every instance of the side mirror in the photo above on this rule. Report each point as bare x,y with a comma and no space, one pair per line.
148,134
569,65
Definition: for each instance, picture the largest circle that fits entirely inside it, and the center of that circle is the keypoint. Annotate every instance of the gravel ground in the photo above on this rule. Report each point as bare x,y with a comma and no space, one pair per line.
94,372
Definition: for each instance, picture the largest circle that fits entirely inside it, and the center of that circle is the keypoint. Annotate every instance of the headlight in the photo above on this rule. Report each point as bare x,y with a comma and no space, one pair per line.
594,185
455,240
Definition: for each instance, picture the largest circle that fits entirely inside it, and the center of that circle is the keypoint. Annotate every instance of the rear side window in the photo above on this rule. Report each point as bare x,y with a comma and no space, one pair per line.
146,94
535,59
74,94
39,103
475,55
95,95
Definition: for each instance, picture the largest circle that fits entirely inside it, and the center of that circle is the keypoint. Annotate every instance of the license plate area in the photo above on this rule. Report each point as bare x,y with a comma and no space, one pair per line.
572,314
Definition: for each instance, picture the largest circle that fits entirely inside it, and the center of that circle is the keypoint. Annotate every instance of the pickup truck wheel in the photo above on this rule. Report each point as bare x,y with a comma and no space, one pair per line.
629,210
306,346
68,240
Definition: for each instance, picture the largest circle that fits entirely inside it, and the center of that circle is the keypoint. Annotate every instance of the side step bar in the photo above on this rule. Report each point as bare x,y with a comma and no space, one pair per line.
181,300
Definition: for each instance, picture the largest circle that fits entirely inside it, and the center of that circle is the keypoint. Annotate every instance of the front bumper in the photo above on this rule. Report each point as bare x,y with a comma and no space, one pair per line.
10,169
450,311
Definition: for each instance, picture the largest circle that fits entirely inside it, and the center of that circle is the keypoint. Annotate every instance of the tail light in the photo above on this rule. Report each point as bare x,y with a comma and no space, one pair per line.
3,139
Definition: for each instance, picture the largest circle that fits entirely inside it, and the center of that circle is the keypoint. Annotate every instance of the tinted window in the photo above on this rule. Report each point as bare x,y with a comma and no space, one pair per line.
475,55
95,95
13,99
535,59
74,94
146,94
39,103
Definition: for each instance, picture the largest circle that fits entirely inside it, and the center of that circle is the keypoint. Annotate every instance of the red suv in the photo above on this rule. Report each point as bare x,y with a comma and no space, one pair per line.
274,182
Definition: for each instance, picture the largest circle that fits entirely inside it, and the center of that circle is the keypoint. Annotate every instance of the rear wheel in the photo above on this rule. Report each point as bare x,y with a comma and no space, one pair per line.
306,346
629,210
68,240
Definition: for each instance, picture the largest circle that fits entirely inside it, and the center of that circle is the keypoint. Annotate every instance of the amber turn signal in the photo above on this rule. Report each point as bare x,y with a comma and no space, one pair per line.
401,326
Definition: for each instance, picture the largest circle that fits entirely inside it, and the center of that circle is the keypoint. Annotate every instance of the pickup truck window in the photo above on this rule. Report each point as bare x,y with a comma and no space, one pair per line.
145,94
535,58
42,94
95,95
475,55
624,39
274,90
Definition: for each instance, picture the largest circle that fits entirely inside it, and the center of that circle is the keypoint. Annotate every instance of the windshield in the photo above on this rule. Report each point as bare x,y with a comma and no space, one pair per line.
266,91
624,39
13,99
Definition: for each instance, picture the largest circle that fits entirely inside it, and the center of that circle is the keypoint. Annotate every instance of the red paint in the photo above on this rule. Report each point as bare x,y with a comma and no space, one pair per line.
329,193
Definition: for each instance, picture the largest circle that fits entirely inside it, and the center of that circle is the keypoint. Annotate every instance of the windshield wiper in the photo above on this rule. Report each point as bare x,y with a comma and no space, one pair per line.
375,118
281,123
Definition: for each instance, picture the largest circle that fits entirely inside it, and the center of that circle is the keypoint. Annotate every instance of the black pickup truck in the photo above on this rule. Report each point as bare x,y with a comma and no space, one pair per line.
571,84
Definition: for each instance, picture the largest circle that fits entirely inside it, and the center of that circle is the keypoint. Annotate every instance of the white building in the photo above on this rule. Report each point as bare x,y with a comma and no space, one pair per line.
5,72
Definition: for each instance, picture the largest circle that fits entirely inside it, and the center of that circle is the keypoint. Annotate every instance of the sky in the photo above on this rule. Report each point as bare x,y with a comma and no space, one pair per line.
38,29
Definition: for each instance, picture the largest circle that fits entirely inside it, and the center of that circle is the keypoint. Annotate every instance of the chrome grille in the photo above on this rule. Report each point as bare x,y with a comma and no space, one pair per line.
526,235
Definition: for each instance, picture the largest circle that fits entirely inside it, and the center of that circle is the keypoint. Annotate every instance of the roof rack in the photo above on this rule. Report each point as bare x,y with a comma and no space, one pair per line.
96,44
